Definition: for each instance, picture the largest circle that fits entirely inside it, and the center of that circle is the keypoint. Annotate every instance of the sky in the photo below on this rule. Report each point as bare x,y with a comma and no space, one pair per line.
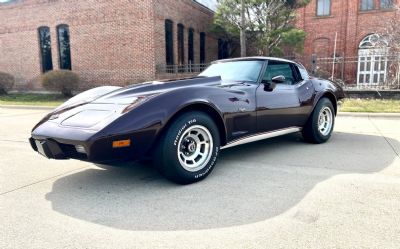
209,3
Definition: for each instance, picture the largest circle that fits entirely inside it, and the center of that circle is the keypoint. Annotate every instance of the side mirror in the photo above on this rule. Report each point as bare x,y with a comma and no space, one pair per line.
279,79
269,86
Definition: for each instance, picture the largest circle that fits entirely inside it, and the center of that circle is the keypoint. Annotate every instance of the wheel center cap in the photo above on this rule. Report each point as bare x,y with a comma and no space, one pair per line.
192,147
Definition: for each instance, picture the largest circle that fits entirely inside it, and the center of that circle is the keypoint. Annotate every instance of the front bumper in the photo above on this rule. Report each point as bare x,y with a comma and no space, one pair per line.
54,150
98,148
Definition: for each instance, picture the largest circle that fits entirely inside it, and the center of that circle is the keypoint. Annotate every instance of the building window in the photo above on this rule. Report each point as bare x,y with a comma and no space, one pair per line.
45,49
181,44
169,42
323,7
64,50
202,47
373,60
387,4
223,49
367,4
191,46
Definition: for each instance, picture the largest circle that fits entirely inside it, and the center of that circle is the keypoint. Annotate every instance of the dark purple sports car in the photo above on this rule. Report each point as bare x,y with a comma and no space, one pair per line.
183,124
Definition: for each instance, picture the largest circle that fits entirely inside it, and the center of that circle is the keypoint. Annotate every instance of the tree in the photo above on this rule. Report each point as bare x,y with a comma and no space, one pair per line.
390,40
231,39
263,21
391,31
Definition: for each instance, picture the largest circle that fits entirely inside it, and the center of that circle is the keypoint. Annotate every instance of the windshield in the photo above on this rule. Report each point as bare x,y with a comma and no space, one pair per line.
235,70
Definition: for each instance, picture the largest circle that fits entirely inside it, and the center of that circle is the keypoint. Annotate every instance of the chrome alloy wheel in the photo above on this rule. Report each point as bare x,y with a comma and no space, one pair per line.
325,121
195,148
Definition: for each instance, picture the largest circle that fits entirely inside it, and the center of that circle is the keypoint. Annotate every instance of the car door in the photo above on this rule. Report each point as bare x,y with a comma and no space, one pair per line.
289,103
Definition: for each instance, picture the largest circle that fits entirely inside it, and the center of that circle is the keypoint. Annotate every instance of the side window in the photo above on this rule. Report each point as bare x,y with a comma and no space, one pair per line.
303,73
277,68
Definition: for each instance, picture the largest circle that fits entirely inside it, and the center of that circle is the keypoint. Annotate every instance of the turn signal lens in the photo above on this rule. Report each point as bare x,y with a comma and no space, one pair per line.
121,143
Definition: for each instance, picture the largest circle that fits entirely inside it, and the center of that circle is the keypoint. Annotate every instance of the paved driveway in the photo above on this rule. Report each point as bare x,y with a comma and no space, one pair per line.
278,193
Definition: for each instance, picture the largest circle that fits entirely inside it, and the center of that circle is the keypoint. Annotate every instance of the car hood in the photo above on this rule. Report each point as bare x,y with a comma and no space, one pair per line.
95,112
124,95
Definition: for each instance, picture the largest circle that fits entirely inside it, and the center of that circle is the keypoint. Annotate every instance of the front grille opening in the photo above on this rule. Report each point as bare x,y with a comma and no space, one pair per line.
69,151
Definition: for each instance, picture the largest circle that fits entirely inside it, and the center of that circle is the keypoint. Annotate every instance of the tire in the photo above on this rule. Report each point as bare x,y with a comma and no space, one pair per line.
187,151
320,124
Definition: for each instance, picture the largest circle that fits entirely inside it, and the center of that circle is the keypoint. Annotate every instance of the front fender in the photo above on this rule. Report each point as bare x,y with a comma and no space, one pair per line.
152,116
325,88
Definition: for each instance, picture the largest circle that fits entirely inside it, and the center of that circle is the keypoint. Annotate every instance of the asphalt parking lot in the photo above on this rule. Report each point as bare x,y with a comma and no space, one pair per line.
278,193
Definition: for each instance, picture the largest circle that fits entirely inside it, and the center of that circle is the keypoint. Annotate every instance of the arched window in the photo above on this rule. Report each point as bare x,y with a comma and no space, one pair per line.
202,47
64,50
372,60
169,42
373,41
181,44
191,46
45,49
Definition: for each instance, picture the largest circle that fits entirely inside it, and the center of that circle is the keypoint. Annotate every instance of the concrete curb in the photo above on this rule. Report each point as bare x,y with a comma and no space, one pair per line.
369,115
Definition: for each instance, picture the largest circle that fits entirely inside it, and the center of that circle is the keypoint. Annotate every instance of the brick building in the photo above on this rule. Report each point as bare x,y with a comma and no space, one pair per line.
359,25
105,42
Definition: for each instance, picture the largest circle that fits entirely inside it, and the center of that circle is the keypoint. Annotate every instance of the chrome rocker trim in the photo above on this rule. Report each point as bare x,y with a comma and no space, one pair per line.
261,136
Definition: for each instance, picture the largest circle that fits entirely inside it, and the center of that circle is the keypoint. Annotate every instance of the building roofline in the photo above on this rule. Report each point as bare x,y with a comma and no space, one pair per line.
203,6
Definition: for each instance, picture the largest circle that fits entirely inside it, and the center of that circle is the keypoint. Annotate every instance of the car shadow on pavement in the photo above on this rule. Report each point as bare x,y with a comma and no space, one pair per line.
251,183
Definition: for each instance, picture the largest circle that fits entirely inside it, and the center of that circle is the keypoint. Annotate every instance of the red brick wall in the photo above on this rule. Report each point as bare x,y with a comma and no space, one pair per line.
112,42
351,24
191,15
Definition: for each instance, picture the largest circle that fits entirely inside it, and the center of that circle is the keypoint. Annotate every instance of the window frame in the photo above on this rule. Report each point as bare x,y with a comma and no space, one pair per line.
391,7
61,66
45,67
361,4
191,57
203,57
181,43
169,42
322,15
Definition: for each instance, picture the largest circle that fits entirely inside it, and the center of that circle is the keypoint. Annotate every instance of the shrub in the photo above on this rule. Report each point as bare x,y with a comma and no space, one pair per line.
63,81
6,82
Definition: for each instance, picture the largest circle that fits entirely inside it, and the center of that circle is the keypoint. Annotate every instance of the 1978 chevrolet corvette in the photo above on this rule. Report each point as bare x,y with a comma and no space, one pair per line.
183,124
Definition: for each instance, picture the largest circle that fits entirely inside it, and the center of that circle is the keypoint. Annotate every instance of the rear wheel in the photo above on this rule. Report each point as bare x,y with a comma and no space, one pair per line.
188,150
319,126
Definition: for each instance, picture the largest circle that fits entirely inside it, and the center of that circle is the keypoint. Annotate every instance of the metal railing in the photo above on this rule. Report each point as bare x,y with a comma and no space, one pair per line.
368,71
181,69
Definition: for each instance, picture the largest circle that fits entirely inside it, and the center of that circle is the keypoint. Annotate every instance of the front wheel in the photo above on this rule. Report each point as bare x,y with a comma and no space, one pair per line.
319,126
187,152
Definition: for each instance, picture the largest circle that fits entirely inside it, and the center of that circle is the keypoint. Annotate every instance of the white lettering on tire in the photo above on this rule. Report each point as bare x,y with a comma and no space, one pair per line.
190,122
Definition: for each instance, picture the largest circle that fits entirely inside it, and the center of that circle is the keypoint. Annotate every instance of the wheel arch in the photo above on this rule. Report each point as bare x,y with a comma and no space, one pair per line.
205,108
331,97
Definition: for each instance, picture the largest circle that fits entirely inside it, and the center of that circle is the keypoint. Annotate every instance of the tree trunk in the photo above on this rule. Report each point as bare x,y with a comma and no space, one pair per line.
243,31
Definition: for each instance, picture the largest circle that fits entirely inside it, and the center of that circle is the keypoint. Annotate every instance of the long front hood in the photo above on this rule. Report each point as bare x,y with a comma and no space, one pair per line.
124,95
95,115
